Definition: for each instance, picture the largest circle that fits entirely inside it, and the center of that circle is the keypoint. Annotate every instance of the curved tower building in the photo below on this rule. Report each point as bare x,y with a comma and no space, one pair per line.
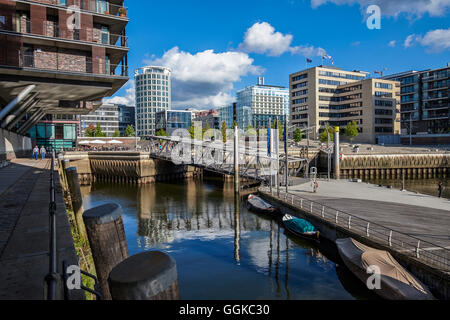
153,94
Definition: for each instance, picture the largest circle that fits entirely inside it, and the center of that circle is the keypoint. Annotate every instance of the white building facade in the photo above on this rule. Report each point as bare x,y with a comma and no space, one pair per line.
153,95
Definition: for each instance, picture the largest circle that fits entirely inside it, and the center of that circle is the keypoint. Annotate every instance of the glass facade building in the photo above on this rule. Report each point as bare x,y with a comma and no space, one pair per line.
110,117
256,105
58,132
171,120
153,95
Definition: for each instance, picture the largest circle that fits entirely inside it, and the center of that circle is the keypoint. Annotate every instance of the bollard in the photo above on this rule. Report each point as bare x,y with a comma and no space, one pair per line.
146,276
64,166
76,198
106,234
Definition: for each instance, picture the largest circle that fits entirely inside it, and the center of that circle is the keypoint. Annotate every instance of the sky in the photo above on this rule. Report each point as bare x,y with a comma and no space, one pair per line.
215,48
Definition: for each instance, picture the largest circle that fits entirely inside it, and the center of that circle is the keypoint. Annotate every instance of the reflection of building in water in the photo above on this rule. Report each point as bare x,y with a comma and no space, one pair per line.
237,230
316,257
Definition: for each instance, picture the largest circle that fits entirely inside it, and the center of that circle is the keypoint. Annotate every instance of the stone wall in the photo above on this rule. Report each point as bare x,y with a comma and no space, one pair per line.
13,145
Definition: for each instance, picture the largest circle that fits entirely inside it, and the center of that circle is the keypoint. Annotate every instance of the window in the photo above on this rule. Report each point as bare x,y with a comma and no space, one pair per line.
383,85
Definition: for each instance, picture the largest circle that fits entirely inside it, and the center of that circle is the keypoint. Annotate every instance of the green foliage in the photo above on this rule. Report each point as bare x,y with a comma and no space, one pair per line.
298,135
351,131
324,135
224,131
116,133
98,132
161,133
280,128
129,132
235,124
251,131
90,131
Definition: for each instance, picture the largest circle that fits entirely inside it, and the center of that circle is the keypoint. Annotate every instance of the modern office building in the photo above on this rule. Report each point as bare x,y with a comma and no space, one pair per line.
425,106
171,120
227,114
54,67
110,117
330,95
257,104
209,119
153,95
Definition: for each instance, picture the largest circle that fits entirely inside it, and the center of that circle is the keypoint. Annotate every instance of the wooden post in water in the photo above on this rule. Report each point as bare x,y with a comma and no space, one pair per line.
76,198
146,276
65,163
236,160
106,233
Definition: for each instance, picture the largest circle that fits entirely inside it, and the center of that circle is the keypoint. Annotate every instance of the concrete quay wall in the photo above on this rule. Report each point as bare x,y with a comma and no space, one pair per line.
13,145
126,167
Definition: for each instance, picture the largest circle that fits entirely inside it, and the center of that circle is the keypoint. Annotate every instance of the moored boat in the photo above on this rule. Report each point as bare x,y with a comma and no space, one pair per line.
396,283
257,204
301,228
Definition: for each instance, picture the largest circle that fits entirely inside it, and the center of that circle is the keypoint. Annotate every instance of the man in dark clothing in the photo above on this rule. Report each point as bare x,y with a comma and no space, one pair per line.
441,189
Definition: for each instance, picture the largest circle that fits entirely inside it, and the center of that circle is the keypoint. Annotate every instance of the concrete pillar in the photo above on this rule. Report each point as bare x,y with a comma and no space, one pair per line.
337,153
146,276
106,234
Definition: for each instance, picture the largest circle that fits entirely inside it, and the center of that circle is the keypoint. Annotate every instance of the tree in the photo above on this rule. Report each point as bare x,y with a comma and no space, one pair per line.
235,124
98,131
90,131
129,131
116,133
161,133
298,135
191,131
351,131
251,131
224,131
324,135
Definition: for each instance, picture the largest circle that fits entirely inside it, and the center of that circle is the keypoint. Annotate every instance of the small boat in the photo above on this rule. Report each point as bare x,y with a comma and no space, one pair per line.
396,283
301,228
257,204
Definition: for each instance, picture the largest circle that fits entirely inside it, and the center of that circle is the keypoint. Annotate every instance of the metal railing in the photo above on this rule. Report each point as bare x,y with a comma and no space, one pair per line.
401,242
88,66
53,30
53,278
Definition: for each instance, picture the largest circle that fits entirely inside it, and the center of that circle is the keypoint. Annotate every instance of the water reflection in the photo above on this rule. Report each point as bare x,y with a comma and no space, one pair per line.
222,250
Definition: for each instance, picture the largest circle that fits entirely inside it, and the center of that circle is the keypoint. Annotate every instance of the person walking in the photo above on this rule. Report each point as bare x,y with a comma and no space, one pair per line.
35,152
43,152
440,189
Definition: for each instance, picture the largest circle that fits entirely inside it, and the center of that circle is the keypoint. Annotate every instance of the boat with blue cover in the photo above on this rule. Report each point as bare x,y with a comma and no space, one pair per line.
301,228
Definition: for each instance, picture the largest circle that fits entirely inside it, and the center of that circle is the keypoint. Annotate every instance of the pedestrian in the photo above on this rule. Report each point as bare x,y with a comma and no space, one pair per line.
441,189
35,152
43,152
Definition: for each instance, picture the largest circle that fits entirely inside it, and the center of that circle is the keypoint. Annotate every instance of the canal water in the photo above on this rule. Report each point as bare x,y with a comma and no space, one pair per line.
222,250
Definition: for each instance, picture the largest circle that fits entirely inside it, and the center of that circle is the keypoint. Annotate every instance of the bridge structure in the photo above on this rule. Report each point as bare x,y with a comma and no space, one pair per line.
247,157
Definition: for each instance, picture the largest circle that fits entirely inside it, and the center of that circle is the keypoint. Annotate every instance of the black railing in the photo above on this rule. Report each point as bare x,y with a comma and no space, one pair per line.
53,278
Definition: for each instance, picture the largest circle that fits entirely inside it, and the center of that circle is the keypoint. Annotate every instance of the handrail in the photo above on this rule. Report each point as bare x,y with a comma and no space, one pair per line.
53,277
405,243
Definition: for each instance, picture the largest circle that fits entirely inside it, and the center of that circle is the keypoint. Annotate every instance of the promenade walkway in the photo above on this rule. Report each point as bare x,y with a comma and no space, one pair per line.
24,230
422,216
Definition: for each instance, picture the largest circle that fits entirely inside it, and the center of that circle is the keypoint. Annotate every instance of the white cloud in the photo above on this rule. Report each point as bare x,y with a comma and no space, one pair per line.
436,40
409,41
129,99
413,8
392,43
205,79
263,39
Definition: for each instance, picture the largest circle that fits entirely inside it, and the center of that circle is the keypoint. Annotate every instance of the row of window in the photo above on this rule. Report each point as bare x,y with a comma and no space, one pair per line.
340,75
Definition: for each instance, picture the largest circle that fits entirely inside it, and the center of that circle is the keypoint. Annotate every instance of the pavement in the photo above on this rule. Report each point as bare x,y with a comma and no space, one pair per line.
24,230
423,216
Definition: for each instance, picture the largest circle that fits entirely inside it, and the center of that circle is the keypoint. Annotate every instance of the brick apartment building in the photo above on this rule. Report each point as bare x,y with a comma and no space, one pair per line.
54,68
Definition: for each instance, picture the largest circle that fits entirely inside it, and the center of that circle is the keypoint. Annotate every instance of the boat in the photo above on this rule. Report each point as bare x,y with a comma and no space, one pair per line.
301,228
396,283
257,204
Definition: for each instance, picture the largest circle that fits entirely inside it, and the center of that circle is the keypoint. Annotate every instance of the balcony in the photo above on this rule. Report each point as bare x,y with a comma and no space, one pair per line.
86,66
52,30
105,8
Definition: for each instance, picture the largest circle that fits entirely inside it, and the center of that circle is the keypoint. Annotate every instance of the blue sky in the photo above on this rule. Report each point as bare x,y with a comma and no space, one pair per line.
217,47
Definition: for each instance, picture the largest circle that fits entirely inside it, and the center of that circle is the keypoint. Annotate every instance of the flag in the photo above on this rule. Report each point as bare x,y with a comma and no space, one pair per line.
377,72
308,60
327,57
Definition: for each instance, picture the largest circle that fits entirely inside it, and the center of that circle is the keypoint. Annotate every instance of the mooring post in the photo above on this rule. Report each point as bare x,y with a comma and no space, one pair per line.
236,160
76,198
106,234
337,154
65,163
146,276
